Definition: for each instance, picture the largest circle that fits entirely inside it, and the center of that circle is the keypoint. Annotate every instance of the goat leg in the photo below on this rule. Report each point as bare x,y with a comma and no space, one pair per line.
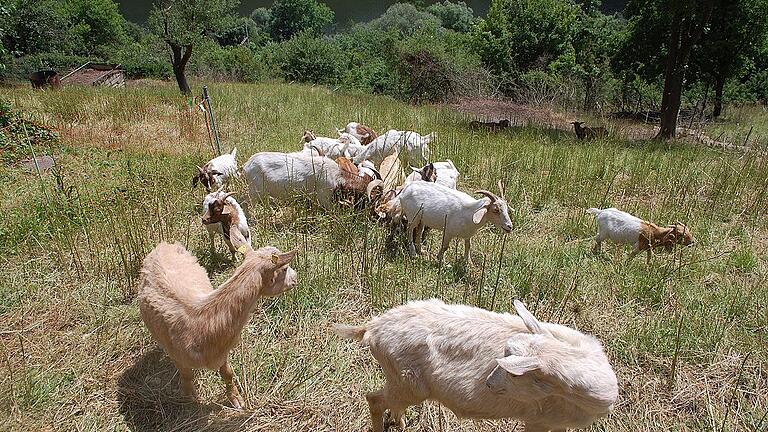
233,394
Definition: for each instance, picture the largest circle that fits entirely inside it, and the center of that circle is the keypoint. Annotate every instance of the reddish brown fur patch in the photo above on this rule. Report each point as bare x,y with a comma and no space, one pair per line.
653,236
362,130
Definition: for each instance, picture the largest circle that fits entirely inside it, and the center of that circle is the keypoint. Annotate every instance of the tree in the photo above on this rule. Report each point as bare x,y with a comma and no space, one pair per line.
519,35
662,35
291,17
96,26
405,18
183,24
731,43
455,16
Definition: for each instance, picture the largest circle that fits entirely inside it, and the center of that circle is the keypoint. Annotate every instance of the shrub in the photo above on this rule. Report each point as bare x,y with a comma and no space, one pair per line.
454,16
291,17
405,18
63,63
142,60
306,58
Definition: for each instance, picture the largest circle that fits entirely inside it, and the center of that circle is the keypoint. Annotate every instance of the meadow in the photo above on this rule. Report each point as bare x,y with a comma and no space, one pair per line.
687,335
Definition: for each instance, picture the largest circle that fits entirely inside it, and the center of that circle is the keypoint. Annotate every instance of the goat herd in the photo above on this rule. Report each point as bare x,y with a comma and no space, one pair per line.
480,364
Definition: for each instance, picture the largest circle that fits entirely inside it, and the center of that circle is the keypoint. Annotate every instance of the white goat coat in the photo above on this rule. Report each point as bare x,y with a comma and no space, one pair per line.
216,228
616,225
439,207
285,175
431,350
226,164
447,174
412,148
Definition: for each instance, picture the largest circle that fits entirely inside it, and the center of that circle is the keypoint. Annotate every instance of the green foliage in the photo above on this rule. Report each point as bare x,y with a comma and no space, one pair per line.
454,16
144,59
291,17
405,18
94,26
520,35
186,23
306,58
24,66
35,27
14,130
235,63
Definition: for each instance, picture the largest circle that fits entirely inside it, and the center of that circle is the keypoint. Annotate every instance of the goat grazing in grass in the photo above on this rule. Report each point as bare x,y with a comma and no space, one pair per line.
196,325
624,228
588,132
360,131
455,213
486,365
217,172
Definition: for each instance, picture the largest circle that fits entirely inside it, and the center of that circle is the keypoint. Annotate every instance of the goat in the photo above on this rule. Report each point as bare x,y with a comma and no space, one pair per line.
501,124
360,131
412,148
217,172
455,213
624,228
588,132
222,214
196,325
486,365
282,175
329,147
444,173
350,145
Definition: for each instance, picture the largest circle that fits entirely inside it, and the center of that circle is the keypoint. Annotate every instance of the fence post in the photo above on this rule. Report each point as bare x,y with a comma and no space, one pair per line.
207,100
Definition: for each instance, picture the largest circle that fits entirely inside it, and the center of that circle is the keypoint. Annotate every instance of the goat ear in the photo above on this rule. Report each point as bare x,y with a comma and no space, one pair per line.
195,180
518,365
531,323
283,259
478,216
416,170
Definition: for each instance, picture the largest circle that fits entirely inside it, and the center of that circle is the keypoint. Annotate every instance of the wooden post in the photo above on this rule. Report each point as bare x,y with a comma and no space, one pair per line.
207,100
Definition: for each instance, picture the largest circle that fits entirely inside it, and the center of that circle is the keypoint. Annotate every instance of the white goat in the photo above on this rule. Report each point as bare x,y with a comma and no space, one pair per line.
350,145
217,172
283,175
413,149
444,173
455,213
624,228
222,214
486,365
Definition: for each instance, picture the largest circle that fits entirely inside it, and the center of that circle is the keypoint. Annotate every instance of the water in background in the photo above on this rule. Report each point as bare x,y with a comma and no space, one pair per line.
346,10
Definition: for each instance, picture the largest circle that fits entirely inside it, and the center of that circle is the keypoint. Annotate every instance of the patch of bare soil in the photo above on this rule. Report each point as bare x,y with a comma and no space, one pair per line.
633,128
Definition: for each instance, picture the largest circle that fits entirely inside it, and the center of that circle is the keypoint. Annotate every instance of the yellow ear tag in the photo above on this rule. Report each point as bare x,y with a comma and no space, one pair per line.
242,249
274,259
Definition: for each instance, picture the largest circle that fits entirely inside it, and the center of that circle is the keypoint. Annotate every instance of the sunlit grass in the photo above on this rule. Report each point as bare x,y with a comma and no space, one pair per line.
76,355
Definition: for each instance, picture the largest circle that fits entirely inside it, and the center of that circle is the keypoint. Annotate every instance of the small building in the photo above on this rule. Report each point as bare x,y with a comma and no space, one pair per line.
96,74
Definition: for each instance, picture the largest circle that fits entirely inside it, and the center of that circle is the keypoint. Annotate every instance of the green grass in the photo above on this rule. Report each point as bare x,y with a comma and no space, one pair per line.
75,354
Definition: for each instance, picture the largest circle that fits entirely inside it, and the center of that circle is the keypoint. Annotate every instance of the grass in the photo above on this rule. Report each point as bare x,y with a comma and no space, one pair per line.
687,335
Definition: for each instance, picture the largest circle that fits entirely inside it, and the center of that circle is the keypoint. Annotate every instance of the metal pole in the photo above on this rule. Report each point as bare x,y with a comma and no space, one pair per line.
213,120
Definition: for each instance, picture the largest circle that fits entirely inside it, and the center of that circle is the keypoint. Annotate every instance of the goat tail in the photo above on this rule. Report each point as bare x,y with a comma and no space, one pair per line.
594,211
234,152
350,332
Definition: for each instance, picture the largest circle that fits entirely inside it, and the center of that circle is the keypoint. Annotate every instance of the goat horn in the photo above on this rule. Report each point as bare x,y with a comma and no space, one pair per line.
200,169
372,185
490,195
229,194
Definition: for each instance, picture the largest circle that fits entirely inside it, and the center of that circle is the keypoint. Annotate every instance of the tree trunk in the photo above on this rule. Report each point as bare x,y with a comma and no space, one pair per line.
683,35
179,62
718,108
589,94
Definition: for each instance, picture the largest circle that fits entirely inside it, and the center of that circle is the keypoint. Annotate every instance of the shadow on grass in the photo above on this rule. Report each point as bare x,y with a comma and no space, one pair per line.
150,397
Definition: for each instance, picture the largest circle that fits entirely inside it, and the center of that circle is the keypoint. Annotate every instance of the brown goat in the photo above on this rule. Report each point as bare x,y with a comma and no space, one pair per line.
308,136
196,325
588,132
205,177
501,124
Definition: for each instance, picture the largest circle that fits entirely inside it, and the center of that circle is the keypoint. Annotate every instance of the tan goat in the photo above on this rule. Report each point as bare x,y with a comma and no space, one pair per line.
196,325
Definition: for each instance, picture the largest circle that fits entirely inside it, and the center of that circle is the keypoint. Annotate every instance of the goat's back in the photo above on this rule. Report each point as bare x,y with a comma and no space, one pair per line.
171,278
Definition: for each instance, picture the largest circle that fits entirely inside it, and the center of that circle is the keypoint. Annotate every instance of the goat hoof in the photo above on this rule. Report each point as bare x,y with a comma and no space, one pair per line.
237,402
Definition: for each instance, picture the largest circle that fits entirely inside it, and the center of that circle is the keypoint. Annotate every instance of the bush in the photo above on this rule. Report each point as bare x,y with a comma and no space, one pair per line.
454,16
405,18
140,60
291,17
306,58
63,63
